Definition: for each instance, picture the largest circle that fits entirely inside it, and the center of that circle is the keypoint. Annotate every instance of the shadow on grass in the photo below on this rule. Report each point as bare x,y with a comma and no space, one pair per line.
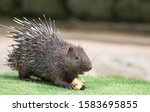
8,77
33,79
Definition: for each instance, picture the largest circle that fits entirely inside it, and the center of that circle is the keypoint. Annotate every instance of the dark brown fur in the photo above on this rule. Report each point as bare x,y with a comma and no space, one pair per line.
42,53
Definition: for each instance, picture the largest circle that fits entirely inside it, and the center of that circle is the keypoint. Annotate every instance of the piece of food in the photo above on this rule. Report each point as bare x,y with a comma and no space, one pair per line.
77,84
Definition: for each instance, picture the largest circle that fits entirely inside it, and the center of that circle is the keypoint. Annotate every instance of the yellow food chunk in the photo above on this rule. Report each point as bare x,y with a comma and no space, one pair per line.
77,84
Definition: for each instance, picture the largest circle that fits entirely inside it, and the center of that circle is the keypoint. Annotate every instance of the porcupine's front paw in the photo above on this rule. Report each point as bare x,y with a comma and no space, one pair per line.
69,86
63,84
83,87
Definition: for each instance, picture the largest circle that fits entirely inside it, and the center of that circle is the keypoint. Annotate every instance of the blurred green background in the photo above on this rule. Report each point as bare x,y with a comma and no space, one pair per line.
137,11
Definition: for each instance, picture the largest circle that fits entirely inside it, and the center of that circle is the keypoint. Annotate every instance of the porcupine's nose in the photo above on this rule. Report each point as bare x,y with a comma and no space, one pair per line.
87,66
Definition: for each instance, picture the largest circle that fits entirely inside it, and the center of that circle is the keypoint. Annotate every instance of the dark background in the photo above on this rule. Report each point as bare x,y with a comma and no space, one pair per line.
137,11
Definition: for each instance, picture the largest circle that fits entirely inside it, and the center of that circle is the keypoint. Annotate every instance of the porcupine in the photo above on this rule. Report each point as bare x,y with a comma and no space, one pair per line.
40,51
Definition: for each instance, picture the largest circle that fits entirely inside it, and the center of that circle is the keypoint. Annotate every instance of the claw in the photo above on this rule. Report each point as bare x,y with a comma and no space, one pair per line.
83,87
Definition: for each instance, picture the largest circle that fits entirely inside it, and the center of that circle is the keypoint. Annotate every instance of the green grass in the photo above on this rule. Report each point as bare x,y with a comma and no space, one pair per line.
11,85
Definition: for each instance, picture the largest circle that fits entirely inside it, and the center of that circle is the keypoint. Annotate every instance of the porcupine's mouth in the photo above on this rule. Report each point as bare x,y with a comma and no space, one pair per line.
81,72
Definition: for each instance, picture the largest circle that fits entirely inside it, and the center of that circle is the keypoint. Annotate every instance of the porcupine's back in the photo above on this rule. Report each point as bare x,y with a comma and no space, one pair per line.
37,46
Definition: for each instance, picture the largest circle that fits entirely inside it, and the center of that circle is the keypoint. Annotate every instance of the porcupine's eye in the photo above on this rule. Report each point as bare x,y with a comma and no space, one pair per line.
77,57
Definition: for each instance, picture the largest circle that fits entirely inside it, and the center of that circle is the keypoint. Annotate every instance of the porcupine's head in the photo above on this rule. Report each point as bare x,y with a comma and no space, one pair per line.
77,61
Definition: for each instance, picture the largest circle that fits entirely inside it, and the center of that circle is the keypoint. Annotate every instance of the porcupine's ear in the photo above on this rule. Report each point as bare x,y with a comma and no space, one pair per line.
70,50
